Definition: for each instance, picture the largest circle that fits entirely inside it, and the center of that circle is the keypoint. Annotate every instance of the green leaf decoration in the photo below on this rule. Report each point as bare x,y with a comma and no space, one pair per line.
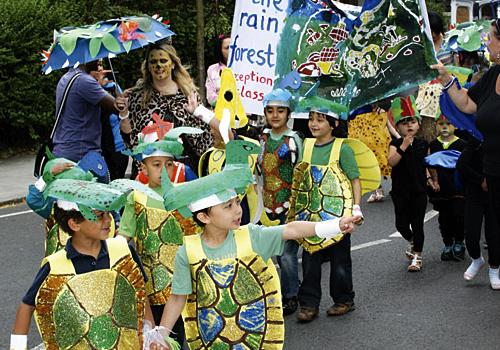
110,43
127,45
68,43
94,46
144,23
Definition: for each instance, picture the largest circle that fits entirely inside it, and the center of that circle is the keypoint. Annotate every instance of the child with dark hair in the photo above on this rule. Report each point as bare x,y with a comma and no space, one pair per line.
409,192
437,31
91,293
445,197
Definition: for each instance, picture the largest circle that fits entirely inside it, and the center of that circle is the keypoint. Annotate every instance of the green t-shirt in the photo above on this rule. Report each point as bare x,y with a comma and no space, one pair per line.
296,138
266,242
348,164
128,220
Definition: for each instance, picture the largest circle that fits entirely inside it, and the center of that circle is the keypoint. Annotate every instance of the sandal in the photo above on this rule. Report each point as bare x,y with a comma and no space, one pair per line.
377,196
416,264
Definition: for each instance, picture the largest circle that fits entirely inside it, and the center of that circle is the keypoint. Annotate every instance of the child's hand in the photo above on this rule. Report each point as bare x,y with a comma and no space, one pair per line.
192,102
484,185
60,167
407,141
347,223
356,211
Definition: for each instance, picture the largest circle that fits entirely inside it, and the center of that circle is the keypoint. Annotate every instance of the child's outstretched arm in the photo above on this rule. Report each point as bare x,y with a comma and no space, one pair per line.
324,229
20,330
172,311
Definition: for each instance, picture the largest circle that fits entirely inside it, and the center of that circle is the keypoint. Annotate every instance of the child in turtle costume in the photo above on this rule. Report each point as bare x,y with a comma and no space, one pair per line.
158,233
281,151
328,184
90,295
224,281
56,168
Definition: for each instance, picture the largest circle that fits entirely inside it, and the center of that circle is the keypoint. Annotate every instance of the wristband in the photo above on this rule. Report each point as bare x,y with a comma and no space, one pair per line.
327,229
450,83
40,184
204,114
400,151
18,342
123,117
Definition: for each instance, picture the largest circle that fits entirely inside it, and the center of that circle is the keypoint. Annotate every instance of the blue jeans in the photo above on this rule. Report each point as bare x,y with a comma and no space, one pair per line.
289,265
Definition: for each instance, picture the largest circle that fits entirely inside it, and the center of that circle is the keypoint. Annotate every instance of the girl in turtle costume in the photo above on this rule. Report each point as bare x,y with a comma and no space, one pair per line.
224,282
91,294
326,185
158,233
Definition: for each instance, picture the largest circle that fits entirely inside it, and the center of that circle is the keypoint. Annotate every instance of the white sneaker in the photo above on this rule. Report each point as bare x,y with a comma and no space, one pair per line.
473,268
494,278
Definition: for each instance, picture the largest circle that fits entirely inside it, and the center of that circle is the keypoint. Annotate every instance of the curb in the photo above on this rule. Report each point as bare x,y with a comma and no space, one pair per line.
10,202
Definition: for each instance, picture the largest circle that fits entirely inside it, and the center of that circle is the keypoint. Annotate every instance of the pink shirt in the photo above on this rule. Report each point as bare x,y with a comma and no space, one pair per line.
213,82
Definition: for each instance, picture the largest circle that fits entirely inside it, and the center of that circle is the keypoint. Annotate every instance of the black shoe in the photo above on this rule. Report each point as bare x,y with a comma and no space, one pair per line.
447,254
290,305
458,251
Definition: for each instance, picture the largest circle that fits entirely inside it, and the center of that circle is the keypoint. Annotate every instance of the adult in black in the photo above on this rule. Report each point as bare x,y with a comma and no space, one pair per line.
483,99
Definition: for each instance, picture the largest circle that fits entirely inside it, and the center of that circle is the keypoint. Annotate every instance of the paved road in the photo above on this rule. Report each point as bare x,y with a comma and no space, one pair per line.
434,309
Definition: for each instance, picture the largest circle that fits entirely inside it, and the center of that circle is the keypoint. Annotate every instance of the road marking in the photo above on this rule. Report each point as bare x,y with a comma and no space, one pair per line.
429,215
369,244
14,214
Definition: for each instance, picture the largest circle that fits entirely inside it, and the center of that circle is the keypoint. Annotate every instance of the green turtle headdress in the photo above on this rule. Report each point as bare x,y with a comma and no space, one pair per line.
160,138
86,196
324,106
74,173
216,188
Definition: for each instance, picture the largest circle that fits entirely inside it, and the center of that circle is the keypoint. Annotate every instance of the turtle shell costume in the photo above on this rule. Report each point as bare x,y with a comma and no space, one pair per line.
102,309
159,233
323,192
236,303
277,162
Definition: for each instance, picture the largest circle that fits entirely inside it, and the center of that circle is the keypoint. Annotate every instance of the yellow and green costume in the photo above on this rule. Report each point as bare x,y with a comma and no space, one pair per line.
159,234
102,309
236,302
323,192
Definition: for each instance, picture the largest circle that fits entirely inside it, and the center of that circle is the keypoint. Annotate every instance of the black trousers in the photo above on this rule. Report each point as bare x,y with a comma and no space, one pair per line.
341,290
477,207
177,332
451,220
410,212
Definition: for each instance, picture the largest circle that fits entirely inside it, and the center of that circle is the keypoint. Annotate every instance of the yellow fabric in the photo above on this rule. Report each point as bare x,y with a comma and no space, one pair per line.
371,129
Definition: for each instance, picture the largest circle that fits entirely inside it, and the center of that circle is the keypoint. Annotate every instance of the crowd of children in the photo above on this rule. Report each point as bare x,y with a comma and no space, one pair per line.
192,271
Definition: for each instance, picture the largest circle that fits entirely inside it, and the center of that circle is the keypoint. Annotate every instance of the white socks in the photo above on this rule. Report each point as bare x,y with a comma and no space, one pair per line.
494,278
474,268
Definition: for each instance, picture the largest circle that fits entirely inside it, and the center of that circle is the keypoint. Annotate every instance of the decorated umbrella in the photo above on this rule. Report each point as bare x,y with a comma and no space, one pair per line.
73,46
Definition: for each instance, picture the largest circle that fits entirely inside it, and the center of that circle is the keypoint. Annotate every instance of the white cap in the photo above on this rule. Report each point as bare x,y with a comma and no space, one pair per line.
67,205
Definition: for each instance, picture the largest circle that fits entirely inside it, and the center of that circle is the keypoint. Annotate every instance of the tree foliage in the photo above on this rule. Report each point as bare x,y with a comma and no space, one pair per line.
27,97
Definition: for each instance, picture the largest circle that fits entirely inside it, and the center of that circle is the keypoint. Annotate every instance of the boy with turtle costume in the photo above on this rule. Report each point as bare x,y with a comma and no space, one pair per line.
328,184
281,151
158,233
92,293
224,279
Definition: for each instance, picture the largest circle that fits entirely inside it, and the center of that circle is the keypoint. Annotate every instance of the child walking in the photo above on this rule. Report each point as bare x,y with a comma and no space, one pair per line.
281,151
326,185
445,197
409,178
158,233
224,278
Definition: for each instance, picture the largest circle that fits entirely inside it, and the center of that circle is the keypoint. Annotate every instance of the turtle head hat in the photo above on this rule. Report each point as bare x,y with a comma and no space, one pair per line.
331,110
278,98
76,172
85,196
160,138
214,189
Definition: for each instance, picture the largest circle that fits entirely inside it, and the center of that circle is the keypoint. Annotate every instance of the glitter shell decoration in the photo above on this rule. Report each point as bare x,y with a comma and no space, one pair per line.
277,167
320,193
237,302
160,233
101,309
